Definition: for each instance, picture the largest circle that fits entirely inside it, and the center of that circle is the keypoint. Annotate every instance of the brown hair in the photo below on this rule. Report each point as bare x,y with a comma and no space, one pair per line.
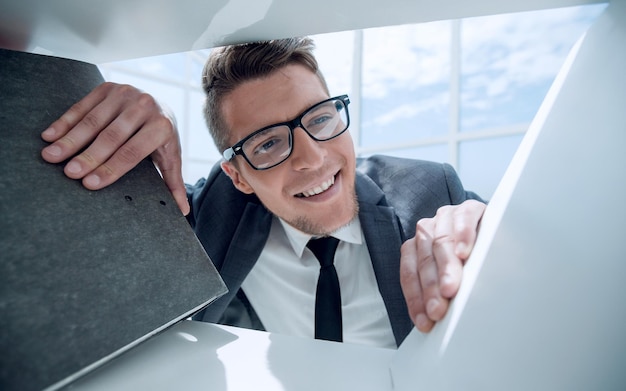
230,66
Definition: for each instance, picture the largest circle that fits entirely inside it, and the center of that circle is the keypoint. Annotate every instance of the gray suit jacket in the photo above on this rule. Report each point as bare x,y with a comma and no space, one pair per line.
393,194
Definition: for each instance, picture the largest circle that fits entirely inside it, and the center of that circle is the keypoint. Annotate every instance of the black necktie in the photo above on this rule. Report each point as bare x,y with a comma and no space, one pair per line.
328,323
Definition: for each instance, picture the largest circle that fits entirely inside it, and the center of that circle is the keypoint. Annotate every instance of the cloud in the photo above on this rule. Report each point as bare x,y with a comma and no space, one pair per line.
511,49
406,57
524,47
507,53
432,103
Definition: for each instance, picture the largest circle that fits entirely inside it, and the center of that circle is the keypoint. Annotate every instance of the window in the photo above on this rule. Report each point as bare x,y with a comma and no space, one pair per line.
462,92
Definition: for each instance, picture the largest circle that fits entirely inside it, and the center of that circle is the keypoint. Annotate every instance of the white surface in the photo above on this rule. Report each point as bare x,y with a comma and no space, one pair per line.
104,31
543,302
202,356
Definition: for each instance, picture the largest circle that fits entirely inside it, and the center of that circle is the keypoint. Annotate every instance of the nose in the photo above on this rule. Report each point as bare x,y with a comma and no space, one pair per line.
307,153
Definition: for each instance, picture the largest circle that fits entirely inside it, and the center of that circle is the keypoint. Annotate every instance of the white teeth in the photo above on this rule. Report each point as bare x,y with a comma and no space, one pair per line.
319,189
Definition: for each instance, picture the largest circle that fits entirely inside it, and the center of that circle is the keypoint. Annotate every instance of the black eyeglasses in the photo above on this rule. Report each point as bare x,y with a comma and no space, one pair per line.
272,145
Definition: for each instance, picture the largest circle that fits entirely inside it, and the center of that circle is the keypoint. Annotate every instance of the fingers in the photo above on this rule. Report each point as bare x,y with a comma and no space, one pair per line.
411,286
107,123
114,128
107,159
167,159
444,243
80,124
180,196
420,272
454,235
466,222
431,264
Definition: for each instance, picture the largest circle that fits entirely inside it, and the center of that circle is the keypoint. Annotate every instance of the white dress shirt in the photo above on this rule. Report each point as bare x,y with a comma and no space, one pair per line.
281,286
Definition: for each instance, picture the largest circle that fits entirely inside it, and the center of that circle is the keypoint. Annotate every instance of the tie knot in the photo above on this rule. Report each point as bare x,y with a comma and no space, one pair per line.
324,249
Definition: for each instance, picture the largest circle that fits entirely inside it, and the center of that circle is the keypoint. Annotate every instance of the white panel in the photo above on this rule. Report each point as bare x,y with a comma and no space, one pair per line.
105,31
544,302
201,356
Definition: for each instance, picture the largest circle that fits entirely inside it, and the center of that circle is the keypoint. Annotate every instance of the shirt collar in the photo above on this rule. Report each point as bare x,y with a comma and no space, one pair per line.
350,233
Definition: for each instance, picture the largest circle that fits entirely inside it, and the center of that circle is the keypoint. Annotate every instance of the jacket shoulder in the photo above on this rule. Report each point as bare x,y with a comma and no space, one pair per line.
414,188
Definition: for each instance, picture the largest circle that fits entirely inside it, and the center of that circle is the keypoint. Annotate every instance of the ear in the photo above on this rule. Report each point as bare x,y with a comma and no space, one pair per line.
235,176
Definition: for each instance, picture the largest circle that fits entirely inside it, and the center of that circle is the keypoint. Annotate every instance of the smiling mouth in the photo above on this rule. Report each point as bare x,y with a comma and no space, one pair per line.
317,189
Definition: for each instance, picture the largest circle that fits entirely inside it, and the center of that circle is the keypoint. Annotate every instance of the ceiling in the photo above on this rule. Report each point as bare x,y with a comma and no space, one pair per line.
103,31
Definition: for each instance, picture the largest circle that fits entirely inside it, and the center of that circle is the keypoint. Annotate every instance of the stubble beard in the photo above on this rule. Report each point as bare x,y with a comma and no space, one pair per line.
311,227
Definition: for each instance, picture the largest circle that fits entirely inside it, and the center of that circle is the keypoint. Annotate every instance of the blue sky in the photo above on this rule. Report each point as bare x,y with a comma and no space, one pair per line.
508,62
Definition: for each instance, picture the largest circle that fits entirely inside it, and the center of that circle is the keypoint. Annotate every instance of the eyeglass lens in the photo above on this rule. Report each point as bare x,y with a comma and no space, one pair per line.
273,145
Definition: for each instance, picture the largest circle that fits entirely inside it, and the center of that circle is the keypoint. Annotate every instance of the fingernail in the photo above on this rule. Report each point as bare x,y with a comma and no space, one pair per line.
73,167
461,249
446,279
53,150
92,180
431,306
50,132
421,321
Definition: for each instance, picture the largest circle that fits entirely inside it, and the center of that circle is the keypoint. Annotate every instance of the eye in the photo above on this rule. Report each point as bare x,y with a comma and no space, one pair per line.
319,121
267,145
269,141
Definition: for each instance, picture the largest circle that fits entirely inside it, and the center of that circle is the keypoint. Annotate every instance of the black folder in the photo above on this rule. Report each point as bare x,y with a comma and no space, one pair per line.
84,275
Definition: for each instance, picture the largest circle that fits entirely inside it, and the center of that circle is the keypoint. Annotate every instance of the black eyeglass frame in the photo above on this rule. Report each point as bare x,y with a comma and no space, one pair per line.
237,149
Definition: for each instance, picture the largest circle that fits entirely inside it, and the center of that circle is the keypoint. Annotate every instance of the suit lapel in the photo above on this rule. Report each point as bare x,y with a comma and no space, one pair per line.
383,237
244,250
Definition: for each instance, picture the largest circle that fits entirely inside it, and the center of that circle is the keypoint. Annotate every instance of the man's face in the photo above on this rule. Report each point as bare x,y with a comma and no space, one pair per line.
286,190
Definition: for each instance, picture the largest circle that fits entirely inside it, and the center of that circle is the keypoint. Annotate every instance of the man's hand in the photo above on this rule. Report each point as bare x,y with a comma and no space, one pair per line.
117,126
431,264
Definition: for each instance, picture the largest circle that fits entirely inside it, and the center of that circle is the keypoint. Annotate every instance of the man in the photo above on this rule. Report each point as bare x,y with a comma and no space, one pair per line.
289,175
